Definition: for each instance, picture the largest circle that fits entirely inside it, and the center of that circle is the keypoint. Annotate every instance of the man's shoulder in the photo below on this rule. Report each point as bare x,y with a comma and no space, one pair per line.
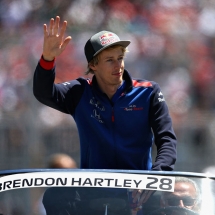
139,82
83,80
143,83
78,81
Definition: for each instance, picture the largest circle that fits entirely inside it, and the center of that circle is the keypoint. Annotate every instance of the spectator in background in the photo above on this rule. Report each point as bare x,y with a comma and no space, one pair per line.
186,195
61,161
55,161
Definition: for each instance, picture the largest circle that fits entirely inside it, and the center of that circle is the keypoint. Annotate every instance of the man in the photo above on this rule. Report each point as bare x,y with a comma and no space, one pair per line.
118,118
186,195
55,161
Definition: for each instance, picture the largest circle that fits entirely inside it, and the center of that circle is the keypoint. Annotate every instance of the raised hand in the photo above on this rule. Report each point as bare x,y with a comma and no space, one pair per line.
54,41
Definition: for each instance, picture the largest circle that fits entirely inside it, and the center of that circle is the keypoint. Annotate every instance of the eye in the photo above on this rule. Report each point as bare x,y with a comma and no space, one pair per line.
109,60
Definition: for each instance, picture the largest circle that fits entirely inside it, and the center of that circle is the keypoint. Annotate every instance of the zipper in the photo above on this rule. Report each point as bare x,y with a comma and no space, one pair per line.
112,115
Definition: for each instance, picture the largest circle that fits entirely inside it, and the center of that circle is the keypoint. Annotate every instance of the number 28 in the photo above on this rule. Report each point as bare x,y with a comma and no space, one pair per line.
163,183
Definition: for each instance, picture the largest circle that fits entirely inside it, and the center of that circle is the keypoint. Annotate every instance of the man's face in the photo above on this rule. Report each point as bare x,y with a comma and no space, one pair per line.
110,68
184,196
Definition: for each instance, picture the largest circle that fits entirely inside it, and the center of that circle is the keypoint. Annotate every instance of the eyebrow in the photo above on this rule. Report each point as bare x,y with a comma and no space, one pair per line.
109,57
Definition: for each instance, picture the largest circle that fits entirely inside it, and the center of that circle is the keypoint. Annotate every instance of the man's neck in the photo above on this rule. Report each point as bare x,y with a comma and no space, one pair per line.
109,90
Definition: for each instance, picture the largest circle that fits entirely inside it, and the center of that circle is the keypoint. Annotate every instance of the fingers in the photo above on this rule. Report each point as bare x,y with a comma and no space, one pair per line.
53,30
46,33
51,24
63,29
56,25
65,42
141,196
54,41
145,196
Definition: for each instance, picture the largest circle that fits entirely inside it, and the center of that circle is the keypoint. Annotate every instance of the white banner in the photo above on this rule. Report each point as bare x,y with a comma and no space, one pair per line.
87,179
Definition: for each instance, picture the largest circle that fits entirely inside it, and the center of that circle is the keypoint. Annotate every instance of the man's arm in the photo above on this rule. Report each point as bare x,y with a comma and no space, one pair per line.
64,96
58,96
165,140
164,136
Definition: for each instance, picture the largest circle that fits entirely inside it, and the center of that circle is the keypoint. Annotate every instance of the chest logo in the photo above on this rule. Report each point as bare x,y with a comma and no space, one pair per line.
97,108
132,108
96,115
97,104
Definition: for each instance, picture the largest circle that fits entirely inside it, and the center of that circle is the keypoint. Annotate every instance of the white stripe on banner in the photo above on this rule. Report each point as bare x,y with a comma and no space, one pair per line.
87,179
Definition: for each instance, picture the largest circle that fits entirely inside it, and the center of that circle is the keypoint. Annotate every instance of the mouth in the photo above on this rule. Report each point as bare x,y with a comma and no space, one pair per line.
117,73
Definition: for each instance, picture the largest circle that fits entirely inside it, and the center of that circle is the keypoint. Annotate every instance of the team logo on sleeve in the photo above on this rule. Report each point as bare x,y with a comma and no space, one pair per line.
161,97
66,83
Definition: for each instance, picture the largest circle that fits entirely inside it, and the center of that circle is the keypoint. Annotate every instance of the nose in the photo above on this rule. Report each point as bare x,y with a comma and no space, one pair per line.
117,63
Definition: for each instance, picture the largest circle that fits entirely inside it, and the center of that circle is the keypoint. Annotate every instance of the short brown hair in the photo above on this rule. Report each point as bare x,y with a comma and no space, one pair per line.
95,59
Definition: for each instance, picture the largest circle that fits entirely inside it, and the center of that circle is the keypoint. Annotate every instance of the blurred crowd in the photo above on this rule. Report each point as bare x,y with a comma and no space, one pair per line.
172,43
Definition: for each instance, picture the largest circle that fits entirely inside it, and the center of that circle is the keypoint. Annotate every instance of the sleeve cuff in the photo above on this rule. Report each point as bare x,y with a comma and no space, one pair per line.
47,65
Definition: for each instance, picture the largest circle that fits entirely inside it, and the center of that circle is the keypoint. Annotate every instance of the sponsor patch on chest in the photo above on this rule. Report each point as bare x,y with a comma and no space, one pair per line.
132,108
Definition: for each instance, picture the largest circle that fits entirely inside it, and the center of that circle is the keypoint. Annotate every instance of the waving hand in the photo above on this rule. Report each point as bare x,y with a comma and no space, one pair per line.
54,40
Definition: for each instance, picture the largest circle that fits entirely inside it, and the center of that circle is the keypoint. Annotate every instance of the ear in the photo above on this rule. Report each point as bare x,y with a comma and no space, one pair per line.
92,66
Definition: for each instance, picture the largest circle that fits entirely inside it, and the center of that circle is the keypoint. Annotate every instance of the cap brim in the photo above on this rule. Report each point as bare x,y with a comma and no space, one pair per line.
123,43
